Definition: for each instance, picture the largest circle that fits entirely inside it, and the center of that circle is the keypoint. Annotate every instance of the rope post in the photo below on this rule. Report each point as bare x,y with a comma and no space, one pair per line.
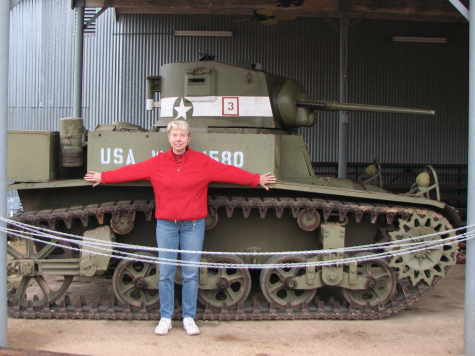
4,54
79,62
469,321
343,97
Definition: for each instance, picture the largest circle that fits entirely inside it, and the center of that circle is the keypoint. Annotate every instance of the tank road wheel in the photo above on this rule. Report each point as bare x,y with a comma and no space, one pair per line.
136,283
26,284
427,264
380,287
224,287
278,285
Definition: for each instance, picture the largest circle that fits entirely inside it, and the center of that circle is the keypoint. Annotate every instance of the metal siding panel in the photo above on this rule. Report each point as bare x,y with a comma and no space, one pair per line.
102,73
419,75
40,64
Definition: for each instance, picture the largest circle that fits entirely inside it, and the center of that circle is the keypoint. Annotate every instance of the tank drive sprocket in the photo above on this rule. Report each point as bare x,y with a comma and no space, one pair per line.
428,263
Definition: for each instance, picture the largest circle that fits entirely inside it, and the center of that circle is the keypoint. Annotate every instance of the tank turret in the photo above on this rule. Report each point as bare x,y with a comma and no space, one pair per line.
221,95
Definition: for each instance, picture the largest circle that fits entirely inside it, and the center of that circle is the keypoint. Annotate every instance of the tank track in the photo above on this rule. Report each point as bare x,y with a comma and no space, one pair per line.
256,307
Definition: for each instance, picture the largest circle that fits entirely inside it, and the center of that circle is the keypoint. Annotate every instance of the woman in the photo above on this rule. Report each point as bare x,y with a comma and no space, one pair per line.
180,178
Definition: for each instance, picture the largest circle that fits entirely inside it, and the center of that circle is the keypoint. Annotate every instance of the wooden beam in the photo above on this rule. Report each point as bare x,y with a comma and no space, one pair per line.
408,10
184,3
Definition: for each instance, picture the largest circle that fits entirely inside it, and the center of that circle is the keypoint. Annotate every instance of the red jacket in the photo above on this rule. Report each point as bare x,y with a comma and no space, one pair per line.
181,190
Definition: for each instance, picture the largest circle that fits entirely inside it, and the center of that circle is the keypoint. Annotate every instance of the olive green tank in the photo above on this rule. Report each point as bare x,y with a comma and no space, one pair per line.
242,117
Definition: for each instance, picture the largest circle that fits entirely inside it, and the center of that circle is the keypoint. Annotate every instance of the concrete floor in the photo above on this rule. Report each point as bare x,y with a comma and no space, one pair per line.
433,327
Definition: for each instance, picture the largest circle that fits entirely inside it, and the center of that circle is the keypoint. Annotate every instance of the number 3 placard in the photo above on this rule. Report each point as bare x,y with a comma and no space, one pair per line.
230,106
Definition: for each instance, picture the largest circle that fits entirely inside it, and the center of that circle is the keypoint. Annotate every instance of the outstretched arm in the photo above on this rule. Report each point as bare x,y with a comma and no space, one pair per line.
219,172
137,171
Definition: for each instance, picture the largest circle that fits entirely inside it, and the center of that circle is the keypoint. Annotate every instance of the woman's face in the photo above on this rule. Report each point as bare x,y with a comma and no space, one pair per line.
179,139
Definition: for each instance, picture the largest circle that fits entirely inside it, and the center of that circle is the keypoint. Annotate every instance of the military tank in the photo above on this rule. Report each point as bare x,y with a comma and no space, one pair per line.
246,118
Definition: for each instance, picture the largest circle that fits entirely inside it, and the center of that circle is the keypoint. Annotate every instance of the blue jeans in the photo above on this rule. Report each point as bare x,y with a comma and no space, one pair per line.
184,235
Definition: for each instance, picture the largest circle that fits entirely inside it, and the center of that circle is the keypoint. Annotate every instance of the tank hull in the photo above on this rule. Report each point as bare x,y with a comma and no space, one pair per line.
246,220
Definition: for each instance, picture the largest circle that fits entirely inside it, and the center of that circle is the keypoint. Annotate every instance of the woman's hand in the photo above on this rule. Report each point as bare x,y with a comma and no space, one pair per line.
93,177
265,179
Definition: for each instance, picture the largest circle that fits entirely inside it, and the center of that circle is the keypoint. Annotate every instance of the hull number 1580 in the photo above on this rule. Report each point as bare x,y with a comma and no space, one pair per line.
120,156
235,159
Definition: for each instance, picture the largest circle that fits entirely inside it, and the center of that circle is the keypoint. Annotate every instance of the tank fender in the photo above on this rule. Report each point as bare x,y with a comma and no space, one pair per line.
453,215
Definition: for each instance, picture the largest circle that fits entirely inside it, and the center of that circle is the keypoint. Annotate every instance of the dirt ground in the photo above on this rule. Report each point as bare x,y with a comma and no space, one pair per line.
433,327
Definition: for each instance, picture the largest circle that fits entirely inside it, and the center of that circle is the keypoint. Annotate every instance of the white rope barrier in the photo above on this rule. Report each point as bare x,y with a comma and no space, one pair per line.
183,263
108,246
52,234
93,245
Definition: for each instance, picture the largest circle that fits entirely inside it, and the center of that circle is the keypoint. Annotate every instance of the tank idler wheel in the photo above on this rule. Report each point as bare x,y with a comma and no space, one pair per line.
230,286
380,288
25,283
136,283
278,285
27,290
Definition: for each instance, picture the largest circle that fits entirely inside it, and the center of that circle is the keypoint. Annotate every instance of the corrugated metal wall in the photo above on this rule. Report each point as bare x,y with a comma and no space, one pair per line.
426,75
40,64
122,53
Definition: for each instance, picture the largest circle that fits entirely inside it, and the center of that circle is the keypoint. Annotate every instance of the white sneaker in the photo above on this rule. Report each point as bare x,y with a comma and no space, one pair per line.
190,326
164,326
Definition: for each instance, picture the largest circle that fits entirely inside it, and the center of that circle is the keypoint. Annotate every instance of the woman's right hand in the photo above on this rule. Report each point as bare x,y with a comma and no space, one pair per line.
93,177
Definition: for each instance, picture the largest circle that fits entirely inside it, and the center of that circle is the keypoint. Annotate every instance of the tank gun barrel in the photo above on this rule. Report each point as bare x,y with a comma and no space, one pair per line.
335,106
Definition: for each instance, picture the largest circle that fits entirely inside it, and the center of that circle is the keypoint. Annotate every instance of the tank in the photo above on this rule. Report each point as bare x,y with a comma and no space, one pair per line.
243,117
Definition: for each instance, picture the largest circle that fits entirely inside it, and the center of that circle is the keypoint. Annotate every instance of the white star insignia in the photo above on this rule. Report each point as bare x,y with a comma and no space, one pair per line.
181,110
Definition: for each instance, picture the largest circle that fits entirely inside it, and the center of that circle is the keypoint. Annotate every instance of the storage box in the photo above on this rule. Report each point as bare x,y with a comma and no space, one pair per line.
32,156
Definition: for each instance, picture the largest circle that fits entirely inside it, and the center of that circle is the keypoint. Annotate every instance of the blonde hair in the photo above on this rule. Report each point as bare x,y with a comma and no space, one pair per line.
179,124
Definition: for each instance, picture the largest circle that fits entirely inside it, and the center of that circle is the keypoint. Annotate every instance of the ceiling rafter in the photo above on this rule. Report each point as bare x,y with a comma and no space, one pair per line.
419,10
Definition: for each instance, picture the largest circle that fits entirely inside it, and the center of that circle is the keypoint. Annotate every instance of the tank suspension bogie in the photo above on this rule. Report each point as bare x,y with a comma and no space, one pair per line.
135,283
279,285
224,287
379,285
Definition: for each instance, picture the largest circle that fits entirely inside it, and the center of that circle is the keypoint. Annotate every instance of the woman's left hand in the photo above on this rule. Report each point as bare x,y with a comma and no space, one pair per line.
266,179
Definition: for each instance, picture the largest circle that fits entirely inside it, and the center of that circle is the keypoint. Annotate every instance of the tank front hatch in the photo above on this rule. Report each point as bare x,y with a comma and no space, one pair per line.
214,94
